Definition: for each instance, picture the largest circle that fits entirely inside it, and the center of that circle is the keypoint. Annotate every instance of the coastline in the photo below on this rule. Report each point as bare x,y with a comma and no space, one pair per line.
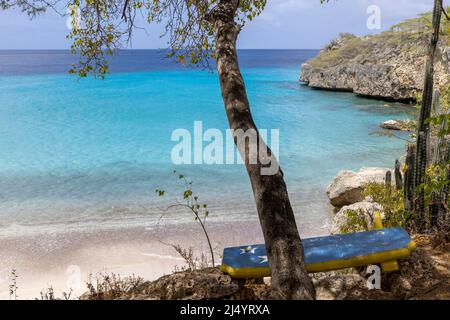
387,66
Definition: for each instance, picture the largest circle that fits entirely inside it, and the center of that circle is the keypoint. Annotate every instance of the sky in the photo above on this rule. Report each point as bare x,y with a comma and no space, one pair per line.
285,24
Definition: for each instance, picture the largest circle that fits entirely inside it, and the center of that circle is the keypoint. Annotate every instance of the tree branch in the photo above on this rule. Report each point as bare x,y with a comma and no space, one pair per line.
445,13
124,11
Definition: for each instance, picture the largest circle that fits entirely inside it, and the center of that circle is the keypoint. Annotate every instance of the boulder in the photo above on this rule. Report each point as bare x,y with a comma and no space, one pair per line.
347,187
365,214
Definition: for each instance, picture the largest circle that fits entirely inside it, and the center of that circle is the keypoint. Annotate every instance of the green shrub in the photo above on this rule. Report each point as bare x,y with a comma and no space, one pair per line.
356,222
391,201
436,181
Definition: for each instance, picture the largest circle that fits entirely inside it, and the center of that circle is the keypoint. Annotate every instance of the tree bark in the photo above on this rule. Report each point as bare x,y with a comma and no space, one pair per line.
289,278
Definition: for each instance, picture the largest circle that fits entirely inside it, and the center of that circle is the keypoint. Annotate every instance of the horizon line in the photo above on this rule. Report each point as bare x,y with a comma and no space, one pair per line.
159,49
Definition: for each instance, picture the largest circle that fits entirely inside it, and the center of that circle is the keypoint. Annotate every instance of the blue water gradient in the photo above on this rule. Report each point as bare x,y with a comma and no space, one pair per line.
91,152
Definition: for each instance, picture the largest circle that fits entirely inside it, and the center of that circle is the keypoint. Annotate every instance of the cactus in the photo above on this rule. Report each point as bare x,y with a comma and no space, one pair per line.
435,209
445,191
428,146
421,164
425,111
436,205
410,186
438,209
388,180
437,157
398,176
436,106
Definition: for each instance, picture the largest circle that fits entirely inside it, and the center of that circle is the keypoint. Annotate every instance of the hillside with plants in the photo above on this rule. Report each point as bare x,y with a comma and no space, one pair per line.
388,65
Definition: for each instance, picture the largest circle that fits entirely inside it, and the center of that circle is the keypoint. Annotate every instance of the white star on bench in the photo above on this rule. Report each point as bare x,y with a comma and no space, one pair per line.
249,249
264,259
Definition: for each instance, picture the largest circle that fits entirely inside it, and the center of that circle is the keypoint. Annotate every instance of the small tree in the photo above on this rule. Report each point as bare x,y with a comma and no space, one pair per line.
192,203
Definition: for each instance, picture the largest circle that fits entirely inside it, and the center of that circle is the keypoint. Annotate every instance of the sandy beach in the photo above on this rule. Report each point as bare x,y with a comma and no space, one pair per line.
65,260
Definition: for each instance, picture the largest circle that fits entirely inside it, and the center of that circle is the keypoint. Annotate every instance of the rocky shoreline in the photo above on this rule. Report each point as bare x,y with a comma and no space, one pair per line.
387,66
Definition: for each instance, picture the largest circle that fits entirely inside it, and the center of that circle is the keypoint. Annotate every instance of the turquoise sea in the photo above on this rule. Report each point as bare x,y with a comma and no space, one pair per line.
79,154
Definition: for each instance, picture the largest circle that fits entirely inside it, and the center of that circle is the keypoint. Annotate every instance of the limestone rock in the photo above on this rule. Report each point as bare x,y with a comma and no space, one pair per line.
398,125
382,66
347,187
365,211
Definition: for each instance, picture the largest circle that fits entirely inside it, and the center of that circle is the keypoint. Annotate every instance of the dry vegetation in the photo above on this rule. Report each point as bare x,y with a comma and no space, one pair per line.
409,35
426,275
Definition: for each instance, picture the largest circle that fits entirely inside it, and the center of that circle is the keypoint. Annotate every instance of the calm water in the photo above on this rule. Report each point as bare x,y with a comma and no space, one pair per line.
89,153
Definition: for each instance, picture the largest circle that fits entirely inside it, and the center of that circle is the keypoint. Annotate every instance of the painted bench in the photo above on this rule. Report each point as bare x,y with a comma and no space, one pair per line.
381,246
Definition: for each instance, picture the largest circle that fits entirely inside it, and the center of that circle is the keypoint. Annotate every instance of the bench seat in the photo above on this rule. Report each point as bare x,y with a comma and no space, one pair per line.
383,246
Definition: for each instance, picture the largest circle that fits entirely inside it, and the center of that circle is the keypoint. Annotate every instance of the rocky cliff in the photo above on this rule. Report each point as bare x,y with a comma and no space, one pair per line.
389,65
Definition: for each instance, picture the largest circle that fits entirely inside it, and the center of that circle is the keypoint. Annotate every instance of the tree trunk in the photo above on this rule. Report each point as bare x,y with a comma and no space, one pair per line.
289,278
